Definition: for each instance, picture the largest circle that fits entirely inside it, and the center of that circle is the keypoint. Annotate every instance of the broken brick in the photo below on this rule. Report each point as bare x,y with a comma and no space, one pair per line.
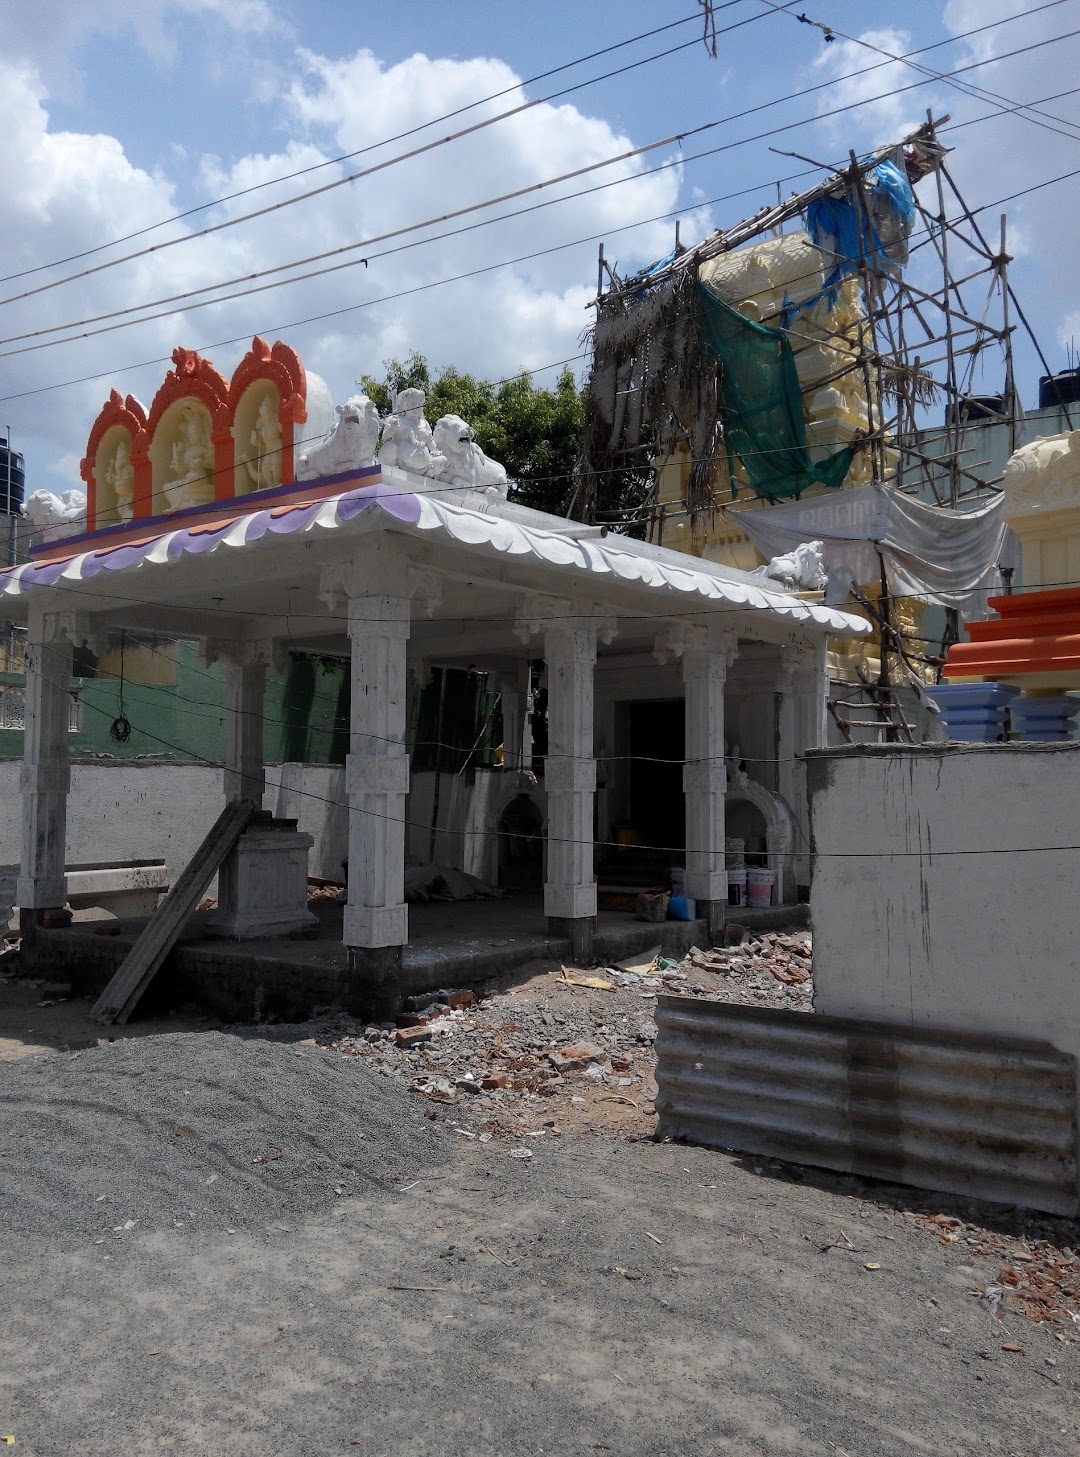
412,1036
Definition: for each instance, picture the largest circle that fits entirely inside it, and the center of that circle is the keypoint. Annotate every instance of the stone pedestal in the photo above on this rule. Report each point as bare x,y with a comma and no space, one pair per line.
263,885
1044,718
972,713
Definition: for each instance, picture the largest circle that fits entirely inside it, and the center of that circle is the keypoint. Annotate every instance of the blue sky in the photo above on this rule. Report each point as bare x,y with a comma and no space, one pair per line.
122,113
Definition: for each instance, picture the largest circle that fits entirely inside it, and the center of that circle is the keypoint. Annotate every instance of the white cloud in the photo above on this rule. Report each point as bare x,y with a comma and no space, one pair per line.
71,191
49,32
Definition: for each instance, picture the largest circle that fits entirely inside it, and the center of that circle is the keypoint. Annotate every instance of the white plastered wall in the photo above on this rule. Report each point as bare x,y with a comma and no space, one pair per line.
938,897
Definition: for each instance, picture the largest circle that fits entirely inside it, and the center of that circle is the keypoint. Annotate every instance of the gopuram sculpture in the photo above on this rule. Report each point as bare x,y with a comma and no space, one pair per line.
264,464
800,570
120,478
57,516
349,446
408,442
192,462
466,466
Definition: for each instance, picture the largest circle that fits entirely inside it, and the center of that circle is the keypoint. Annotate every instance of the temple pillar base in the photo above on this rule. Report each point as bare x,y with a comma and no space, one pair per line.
374,981
580,931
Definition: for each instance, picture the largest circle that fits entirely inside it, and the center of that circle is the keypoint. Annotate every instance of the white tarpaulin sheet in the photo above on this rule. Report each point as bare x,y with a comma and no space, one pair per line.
948,557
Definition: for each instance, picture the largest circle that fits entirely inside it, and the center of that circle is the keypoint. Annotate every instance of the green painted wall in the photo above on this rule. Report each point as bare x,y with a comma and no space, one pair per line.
306,713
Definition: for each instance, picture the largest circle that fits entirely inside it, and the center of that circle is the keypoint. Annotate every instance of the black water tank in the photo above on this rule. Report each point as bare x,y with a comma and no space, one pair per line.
973,408
1059,389
13,485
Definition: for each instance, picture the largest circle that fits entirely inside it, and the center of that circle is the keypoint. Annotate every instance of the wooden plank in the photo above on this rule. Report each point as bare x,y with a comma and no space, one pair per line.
143,961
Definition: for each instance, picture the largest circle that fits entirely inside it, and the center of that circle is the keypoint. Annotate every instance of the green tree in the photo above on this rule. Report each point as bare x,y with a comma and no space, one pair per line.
535,432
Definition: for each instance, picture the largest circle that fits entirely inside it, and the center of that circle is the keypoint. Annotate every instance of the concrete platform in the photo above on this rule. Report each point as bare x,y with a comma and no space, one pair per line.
459,943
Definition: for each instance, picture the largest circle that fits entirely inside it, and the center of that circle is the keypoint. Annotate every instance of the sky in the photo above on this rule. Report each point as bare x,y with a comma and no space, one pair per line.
119,116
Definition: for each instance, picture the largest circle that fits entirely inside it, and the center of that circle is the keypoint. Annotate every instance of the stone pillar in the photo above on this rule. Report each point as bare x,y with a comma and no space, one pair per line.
570,633
244,662
707,654
375,927
514,702
802,689
46,772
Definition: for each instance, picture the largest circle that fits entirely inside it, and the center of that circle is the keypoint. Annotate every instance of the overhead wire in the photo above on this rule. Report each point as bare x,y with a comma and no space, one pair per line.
375,168
538,480
365,813
125,313
980,93
360,151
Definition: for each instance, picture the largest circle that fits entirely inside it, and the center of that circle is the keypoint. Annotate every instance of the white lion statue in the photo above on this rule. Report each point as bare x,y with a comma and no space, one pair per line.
57,516
351,444
800,570
466,465
1044,472
407,440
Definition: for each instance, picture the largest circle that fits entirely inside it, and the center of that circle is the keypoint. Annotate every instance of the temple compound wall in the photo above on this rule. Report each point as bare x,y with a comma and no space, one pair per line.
948,900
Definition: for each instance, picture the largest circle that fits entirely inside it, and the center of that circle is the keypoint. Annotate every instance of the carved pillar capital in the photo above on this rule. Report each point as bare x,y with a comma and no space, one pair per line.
685,640
246,652
544,615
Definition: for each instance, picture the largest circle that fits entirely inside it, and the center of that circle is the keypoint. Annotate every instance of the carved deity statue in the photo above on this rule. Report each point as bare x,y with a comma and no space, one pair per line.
264,466
407,440
193,449
120,478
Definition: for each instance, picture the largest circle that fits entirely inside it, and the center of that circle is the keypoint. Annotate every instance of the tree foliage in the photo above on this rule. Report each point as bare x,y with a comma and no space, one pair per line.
535,432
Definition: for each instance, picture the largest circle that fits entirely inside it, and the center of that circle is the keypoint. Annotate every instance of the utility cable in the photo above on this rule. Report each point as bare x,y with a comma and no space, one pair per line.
190,294
980,93
819,753
361,151
372,170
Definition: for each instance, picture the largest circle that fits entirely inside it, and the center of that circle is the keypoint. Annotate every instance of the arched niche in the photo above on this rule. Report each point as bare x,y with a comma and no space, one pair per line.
112,485
267,401
182,456
779,830
257,439
185,452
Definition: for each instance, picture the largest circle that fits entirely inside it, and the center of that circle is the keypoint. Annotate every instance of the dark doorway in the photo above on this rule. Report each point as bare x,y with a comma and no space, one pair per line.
521,845
657,808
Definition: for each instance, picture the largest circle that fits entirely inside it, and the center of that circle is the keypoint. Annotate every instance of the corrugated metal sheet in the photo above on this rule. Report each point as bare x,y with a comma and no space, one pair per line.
993,1117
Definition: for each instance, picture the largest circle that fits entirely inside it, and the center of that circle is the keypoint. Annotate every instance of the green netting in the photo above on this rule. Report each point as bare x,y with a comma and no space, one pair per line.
761,406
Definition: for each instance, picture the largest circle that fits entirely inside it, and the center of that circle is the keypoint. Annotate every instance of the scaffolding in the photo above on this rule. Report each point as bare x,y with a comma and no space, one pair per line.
930,326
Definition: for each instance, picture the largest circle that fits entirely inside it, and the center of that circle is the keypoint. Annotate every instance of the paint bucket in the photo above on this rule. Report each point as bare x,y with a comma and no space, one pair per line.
735,850
736,887
682,908
759,887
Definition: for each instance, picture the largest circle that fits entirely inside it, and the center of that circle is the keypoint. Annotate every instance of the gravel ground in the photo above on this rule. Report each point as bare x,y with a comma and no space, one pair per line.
377,1268
219,1131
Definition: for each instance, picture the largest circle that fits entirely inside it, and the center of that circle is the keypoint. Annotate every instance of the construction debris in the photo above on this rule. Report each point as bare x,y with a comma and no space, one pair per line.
565,1048
1037,1278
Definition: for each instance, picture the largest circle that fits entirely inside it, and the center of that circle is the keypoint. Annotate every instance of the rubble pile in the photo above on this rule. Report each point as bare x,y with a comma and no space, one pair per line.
1037,1278
563,1047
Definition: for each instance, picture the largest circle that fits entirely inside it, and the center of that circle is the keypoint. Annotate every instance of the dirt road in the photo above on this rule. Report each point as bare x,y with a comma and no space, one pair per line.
340,1285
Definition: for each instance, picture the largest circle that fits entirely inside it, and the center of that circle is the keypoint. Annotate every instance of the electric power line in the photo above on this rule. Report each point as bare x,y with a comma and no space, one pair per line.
247,291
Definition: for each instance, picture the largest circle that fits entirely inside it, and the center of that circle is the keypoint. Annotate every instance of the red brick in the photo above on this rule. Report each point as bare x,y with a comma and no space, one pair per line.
412,1036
